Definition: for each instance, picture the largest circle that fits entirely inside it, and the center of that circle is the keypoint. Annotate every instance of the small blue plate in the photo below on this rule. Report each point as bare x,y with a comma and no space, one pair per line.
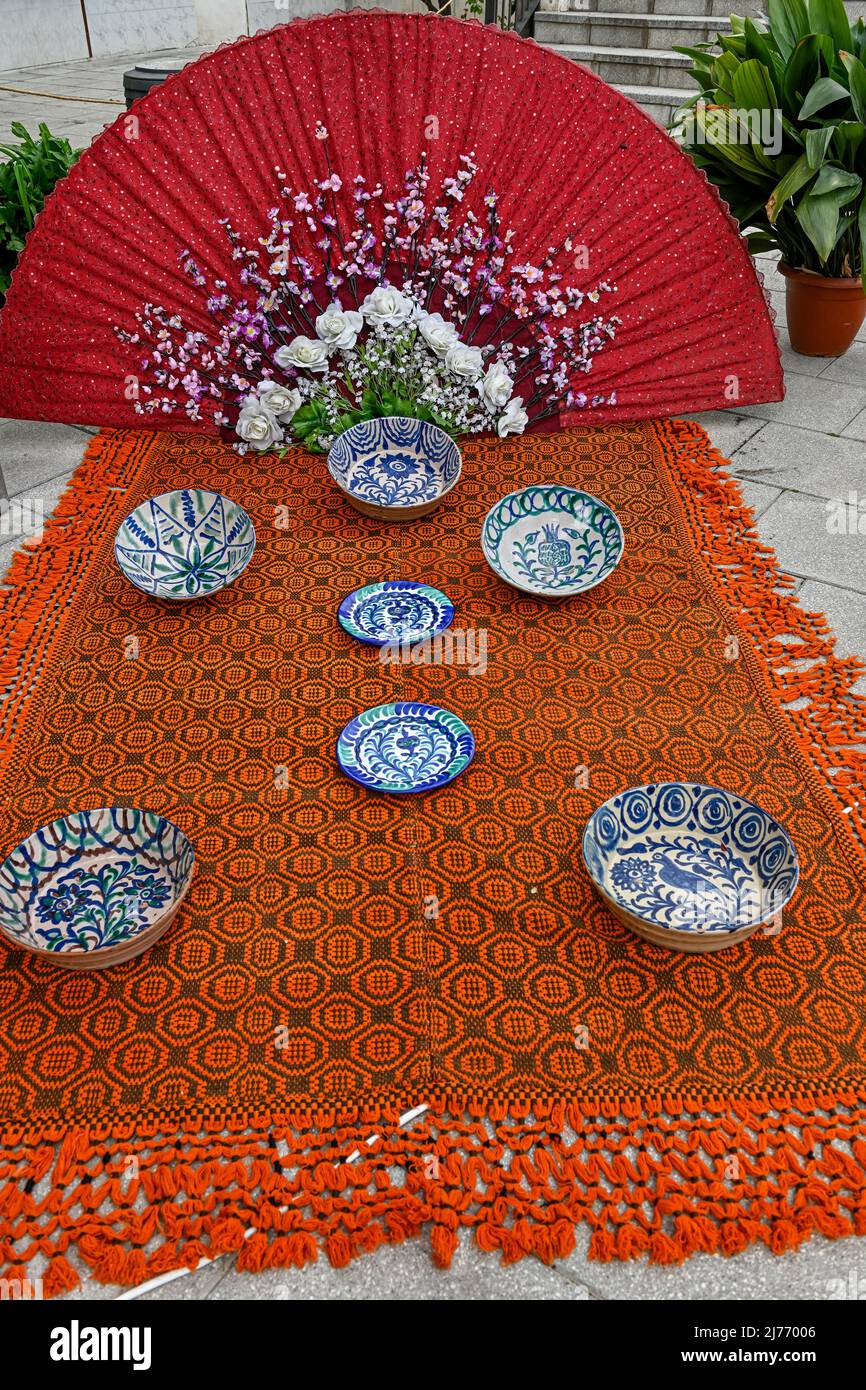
679,861
552,541
405,748
185,544
396,611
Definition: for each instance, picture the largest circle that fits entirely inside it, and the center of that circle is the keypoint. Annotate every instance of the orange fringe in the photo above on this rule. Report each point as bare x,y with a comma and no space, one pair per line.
659,1177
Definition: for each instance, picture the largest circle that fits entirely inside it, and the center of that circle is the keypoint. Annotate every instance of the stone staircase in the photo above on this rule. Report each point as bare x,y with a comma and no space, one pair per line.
629,42
631,48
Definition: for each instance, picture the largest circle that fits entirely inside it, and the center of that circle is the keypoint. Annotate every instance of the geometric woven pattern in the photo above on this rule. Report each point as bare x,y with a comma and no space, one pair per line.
341,946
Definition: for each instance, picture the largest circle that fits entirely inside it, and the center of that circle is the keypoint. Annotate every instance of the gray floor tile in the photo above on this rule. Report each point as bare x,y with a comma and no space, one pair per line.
846,612
758,496
787,457
32,451
798,365
727,429
857,428
850,368
798,529
813,403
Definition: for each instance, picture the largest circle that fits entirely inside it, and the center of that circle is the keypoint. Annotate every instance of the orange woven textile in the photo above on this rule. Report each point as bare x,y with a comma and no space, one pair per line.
344,958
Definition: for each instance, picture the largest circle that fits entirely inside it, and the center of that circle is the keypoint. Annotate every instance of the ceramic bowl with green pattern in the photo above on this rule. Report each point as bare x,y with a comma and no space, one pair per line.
552,541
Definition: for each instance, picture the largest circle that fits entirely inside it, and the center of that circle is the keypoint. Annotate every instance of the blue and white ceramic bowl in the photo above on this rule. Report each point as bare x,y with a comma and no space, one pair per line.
690,867
94,888
552,541
398,610
405,747
185,544
396,467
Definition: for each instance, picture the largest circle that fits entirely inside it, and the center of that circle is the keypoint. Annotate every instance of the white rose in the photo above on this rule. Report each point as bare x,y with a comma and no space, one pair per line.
495,389
385,307
437,334
338,327
257,426
514,418
464,361
307,354
278,400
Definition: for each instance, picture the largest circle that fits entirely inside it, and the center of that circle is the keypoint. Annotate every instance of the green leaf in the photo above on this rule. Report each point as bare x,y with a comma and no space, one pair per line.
816,145
824,93
753,87
803,69
857,84
760,241
789,23
829,17
798,175
861,227
832,179
818,210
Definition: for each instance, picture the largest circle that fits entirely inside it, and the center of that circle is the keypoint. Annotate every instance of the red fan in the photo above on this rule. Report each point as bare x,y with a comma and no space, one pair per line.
158,210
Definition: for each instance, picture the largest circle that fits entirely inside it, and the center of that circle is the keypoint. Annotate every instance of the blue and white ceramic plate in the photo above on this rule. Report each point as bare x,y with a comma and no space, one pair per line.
552,541
94,888
398,610
184,545
678,858
395,467
405,748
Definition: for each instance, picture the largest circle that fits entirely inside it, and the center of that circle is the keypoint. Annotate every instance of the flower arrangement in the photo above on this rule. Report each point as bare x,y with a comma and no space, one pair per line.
416,309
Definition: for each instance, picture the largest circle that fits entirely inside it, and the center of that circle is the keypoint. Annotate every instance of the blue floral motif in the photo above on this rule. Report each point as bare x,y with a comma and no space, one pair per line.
691,858
394,462
395,611
90,908
405,747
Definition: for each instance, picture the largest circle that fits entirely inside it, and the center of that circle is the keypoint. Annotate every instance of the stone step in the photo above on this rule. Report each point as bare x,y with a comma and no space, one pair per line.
658,102
641,67
629,30
720,8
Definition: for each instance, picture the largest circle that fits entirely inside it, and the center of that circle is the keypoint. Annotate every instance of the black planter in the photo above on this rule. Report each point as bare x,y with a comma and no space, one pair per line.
139,80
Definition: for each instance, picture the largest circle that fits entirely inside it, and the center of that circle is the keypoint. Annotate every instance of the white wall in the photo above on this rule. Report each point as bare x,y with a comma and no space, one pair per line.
41,31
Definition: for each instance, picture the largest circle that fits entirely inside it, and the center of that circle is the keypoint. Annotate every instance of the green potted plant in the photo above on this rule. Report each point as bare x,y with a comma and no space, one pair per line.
779,126
31,170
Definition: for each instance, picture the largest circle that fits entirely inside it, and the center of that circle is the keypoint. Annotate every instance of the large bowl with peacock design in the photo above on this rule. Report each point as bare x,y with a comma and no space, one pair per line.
394,468
94,888
552,541
690,867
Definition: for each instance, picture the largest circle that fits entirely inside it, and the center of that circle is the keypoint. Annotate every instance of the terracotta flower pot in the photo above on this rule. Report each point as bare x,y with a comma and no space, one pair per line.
823,314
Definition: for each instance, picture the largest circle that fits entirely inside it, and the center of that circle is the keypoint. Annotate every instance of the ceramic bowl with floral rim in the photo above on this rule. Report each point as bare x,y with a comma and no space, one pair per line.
185,544
405,747
552,541
690,867
396,468
396,610
94,888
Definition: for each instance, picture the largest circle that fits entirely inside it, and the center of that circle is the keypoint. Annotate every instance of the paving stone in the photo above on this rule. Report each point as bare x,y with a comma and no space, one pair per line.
850,368
831,405
783,456
795,363
758,496
797,527
846,612
857,427
32,451
727,429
